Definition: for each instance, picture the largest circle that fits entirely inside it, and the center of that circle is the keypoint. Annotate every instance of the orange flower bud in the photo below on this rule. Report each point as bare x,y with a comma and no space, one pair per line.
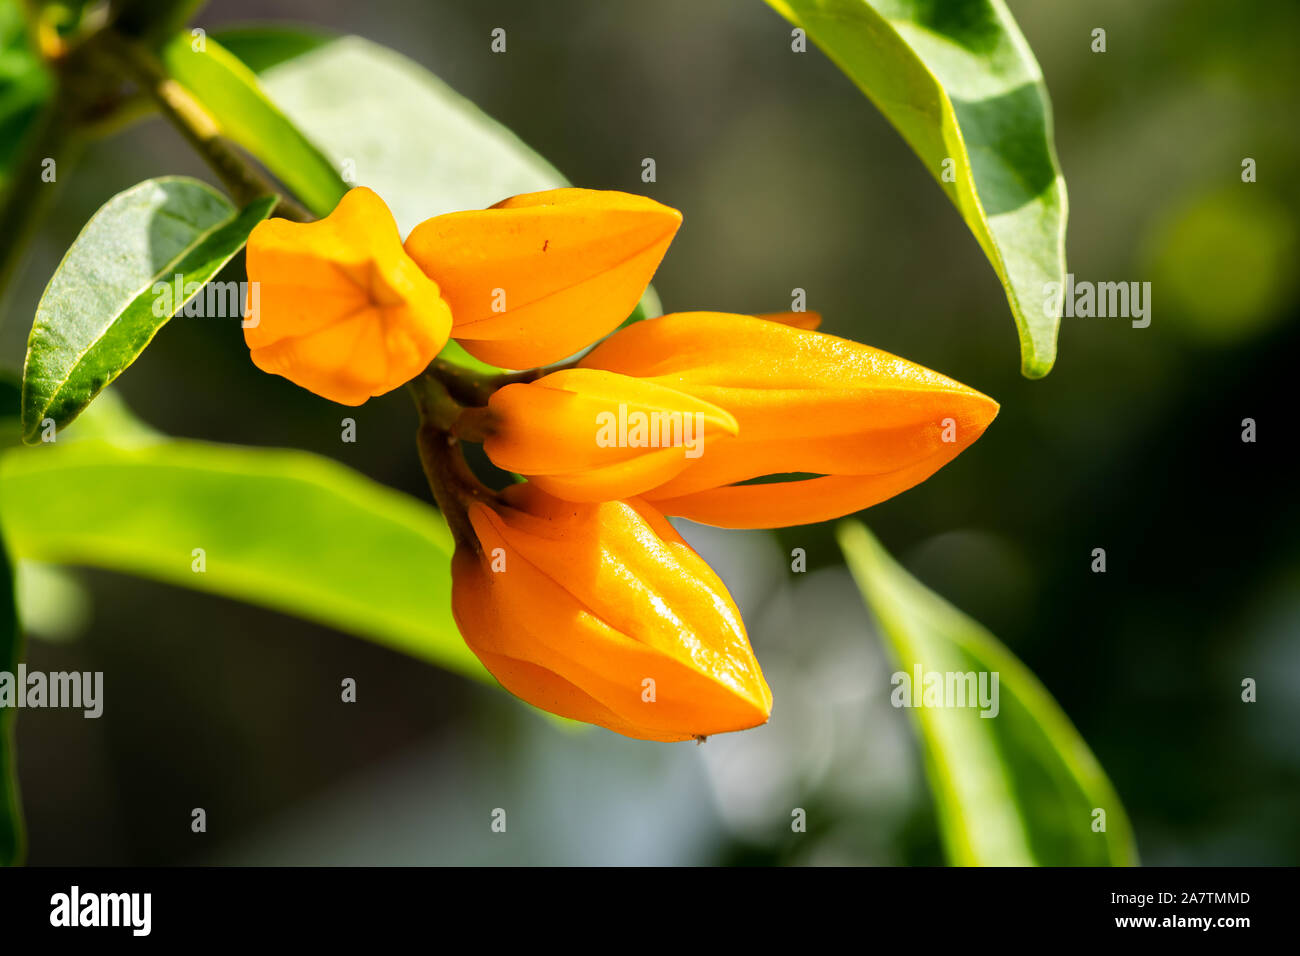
867,423
340,308
538,277
588,435
604,614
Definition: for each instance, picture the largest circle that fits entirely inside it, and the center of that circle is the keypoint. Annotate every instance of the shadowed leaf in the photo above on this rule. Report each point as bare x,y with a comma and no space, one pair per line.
1017,787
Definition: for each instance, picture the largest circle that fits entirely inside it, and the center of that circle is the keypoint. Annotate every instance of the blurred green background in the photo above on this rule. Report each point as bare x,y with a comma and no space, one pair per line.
787,178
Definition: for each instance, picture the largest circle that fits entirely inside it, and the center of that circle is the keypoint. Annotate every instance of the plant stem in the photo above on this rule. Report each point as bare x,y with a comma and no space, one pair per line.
474,424
472,388
434,401
454,486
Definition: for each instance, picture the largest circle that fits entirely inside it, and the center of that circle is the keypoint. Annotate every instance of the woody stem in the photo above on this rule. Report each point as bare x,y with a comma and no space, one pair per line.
474,388
454,486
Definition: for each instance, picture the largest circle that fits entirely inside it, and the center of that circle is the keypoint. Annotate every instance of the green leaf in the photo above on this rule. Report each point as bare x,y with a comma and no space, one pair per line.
99,311
283,529
357,99
1015,789
958,81
12,837
404,133
231,94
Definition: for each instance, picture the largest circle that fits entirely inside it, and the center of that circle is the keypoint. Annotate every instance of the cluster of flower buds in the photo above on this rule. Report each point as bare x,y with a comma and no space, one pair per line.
572,587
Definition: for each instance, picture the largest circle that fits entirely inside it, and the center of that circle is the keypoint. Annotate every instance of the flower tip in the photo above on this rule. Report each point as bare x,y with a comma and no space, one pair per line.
756,705
364,211
363,199
981,410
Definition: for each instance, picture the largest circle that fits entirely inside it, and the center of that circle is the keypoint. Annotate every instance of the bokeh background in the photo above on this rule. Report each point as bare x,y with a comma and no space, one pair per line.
787,178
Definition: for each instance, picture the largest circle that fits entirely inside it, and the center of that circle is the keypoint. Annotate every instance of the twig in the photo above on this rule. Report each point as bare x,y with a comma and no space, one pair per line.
453,484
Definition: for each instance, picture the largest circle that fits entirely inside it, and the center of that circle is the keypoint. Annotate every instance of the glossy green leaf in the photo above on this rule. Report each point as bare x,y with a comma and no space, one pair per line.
283,529
958,81
106,300
1018,788
232,95
11,820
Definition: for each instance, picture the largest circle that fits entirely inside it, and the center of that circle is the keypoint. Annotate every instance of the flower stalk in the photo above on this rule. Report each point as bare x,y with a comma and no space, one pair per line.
453,484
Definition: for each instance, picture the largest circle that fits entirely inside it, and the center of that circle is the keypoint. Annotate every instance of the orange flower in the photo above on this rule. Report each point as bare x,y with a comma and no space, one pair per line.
538,277
604,614
340,308
588,435
772,399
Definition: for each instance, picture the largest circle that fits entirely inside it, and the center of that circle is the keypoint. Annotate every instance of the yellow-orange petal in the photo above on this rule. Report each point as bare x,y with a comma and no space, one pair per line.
799,320
337,306
538,277
602,613
782,504
805,402
590,435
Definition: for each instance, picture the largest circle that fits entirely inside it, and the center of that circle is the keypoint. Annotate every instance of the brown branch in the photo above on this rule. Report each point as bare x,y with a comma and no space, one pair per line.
455,487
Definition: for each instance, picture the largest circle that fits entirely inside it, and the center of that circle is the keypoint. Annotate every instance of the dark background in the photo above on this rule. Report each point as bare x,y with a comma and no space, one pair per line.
787,178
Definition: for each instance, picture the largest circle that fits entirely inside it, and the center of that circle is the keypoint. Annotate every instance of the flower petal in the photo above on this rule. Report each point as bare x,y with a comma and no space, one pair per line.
538,277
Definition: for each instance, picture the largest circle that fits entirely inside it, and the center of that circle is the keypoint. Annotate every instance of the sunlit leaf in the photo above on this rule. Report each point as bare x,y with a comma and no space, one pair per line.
230,92
100,309
283,529
958,81
1018,788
